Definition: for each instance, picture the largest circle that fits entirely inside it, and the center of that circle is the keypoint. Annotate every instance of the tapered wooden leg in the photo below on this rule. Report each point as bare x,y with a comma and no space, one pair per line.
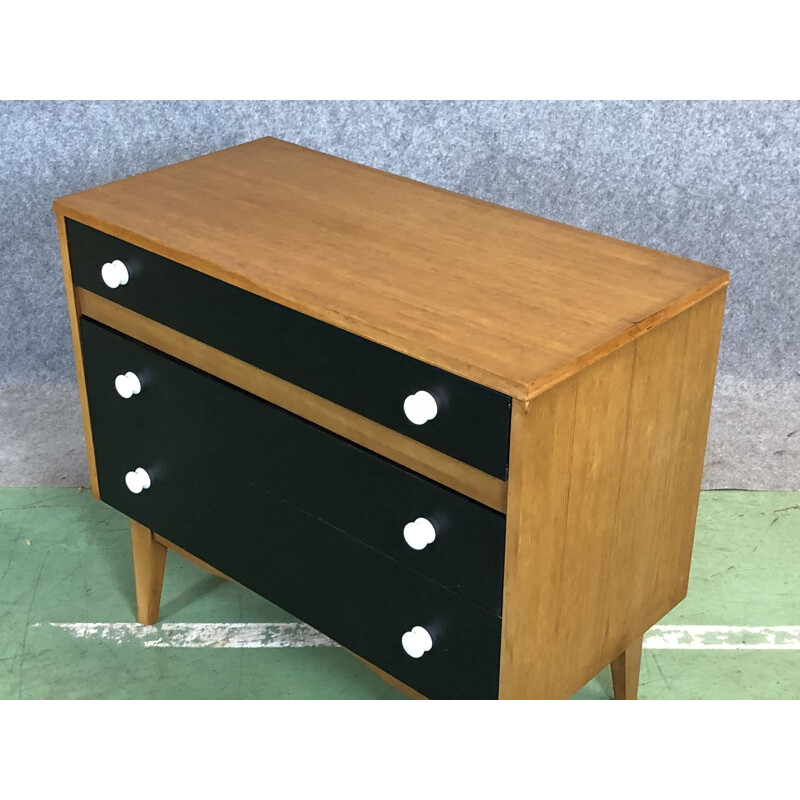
625,671
149,560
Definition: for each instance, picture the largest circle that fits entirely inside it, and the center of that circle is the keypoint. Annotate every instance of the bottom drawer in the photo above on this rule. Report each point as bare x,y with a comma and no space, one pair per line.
358,596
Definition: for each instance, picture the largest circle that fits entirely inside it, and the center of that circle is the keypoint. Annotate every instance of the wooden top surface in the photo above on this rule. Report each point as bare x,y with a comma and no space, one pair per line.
509,300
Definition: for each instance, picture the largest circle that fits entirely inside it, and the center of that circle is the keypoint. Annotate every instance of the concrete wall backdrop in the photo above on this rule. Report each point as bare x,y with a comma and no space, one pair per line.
714,181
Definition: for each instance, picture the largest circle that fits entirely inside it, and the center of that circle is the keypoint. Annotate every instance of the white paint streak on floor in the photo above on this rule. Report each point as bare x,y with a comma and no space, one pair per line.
723,637
297,634
201,634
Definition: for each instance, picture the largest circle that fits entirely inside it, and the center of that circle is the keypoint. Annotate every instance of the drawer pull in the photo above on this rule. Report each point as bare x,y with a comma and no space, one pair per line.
114,274
127,385
137,480
419,533
417,641
420,407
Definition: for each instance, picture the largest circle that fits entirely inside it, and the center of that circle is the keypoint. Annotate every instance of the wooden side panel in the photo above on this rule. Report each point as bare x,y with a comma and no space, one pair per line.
73,309
604,481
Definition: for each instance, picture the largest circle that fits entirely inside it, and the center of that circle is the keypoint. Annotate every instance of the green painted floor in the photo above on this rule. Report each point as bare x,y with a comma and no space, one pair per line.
65,558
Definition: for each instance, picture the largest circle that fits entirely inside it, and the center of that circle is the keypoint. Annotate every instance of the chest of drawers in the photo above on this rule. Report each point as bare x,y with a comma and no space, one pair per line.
464,442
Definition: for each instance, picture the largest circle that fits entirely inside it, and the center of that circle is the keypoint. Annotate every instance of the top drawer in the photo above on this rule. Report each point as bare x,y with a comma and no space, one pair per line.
471,421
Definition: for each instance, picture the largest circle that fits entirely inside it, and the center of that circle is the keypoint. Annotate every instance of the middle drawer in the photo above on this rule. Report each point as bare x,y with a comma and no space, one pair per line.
348,487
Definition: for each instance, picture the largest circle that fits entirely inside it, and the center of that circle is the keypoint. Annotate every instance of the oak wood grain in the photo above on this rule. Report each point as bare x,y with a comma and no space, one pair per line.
74,312
515,302
149,562
604,480
414,455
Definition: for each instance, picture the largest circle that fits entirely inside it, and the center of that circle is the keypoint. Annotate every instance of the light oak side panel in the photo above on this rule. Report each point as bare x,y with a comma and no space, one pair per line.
604,480
414,455
73,309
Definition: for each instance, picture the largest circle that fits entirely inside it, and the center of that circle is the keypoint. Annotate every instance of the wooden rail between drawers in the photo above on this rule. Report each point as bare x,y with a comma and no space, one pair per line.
414,455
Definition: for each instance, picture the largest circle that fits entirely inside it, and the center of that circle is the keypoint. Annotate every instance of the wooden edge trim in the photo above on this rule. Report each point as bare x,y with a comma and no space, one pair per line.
392,681
194,559
74,311
628,335
443,469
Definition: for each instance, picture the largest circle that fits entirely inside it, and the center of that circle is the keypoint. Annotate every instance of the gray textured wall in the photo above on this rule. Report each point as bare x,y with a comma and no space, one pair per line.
714,181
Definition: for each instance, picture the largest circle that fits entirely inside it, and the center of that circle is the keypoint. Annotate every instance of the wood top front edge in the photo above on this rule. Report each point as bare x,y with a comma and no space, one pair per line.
511,301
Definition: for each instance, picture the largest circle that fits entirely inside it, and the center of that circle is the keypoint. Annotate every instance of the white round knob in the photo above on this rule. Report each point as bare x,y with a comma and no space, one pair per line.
420,407
127,385
419,533
114,274
417,642
137,480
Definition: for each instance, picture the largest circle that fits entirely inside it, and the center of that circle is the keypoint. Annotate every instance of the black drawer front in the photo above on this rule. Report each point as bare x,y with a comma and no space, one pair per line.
472,424
362,494
358,596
